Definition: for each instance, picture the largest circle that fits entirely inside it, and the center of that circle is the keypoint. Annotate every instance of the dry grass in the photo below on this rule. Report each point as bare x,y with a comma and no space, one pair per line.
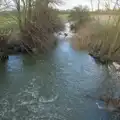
105,19
102,39
83,36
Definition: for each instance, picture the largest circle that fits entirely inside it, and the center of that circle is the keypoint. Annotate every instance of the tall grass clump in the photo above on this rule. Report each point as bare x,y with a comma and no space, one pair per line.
102,40
105,42
100,37
79,17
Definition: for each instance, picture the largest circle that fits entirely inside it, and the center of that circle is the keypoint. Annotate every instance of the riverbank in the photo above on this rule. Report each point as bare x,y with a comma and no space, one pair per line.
15,45
35,28
16,48
33,39
100,39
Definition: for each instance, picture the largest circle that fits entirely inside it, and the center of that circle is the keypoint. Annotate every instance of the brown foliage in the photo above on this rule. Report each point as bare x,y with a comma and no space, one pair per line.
44,23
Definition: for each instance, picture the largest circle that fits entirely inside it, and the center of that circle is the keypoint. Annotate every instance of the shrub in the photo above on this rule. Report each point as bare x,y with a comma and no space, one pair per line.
79,15
37,22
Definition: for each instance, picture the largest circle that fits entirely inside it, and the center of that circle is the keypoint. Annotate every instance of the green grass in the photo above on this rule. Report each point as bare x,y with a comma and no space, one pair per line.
8,22
64,16
102,17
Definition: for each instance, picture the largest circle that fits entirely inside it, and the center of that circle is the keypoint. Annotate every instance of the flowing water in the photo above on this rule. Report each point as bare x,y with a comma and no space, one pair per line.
53,86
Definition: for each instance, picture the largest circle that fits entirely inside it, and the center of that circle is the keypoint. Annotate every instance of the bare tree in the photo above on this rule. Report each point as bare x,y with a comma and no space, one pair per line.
91,2
98,5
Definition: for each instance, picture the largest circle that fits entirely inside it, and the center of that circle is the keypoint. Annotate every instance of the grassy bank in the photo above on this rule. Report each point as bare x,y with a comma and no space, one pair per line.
102,16
64,16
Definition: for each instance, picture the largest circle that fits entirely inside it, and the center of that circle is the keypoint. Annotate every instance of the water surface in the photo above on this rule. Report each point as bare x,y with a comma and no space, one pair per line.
53,86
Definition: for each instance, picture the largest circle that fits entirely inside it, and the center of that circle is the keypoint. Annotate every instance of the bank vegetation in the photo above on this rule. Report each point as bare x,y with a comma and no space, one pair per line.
33,24
100,37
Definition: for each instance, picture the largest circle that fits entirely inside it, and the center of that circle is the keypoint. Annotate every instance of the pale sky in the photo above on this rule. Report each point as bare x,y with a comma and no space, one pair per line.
71,3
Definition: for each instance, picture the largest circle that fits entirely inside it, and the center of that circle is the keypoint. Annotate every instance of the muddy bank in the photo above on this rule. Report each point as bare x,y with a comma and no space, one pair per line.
15,44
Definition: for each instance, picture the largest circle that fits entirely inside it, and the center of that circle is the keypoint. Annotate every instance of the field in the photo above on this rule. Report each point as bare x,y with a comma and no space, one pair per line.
8,22
106,18
101,17
64,16
11,21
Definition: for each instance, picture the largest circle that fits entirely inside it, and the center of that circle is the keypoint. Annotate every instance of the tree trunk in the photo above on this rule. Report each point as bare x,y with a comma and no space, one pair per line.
29,10
91,2
19,13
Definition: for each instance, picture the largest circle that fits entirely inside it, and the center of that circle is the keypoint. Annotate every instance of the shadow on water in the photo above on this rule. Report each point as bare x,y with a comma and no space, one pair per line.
31,62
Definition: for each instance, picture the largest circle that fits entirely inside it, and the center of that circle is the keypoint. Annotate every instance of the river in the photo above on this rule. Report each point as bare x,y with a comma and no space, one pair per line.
53,86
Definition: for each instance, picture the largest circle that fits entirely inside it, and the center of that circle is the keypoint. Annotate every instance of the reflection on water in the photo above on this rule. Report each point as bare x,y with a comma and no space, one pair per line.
53,86
14,63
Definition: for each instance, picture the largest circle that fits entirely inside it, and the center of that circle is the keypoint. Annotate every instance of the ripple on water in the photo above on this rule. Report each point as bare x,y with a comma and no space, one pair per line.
42,99
50,116
28,105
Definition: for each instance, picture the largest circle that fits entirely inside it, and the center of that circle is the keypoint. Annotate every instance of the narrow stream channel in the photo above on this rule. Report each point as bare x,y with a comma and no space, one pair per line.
53,86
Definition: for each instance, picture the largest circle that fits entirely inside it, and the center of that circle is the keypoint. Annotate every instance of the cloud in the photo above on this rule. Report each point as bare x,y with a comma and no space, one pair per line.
71,3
